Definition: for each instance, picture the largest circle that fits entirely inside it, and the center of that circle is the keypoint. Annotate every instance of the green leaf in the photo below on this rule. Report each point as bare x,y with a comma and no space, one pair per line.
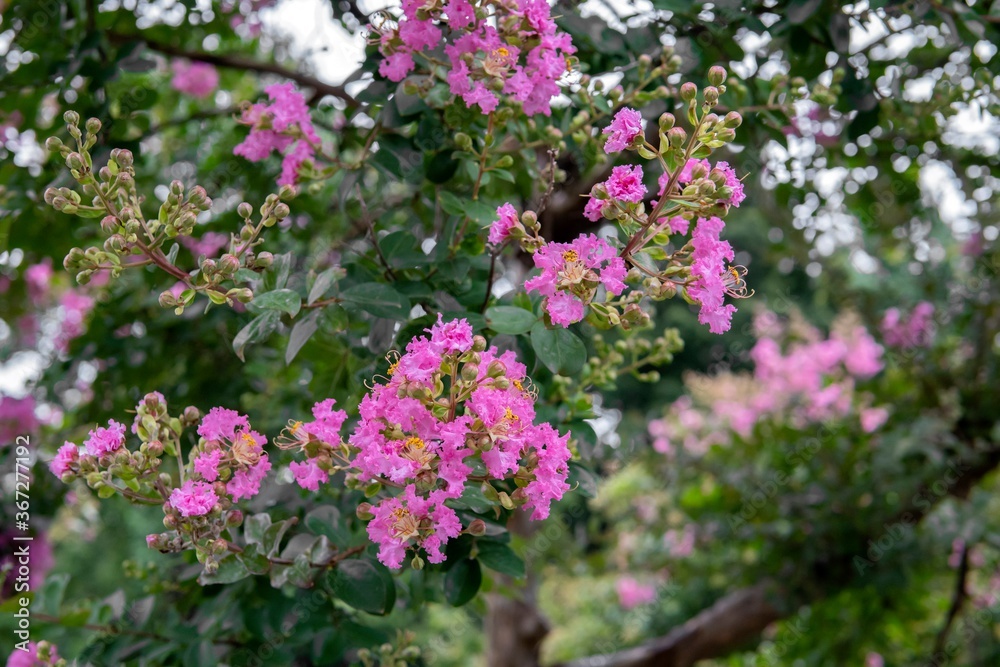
364,585
510,319
472,498
255,559
259,328
271,543
231,569
559,349
462,582
322,284
379,300
326,520
283,300
301,333
254,527
500,557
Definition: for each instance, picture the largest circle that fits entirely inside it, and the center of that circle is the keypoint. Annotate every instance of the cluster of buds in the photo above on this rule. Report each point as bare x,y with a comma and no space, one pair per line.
131,240
108,466
629,355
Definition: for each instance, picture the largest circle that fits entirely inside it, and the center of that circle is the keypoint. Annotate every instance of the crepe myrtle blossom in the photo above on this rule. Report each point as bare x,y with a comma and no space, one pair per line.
446,403
623,130
36,655
284,126
712,280
632,593
319,440
519,60
625,184
242,453
194,498
66,457
104,440
570,274
505,225
722,175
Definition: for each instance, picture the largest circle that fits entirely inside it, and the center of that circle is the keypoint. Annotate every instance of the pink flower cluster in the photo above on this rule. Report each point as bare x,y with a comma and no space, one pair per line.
317,439
196,79
448,402
911,332
711,278
522,56
229,454
284,126
809,381
506,222
103,440
571,273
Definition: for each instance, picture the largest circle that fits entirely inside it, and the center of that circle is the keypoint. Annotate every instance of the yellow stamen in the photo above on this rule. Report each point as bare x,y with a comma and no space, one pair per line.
392,368
570,256
510,416
415,442
502,52
405,525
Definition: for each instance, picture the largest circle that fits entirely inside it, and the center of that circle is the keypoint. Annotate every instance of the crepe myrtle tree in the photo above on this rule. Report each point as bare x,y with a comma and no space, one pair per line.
333,352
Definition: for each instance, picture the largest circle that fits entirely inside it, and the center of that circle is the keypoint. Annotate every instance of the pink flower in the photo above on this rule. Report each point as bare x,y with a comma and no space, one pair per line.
328,422
733,183
246,482
550,475
396,66
285,126
709,271
17,417
593,210
410,520
874,660
196,79
67,456
193,498
103,441
308,474
680,543
568,268
222,424
453,337
624,128
907,333
506,221
625,184
632,594
687,173
206,464
29,658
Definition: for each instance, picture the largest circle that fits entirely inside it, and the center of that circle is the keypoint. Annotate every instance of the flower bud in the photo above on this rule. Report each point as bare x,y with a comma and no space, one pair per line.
75,161
717,75
667,121
417,563
676,136
712,95
478,343
470,372
245,210
209,266
228,264
176,188
190,415
688,91
53,144
93,125
71,117
234,519
505,162
463,141
264,260
154,448
733,119
364,512
281,211
243,294
477,528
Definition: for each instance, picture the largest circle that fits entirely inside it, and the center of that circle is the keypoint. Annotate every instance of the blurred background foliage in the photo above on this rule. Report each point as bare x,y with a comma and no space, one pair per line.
872,187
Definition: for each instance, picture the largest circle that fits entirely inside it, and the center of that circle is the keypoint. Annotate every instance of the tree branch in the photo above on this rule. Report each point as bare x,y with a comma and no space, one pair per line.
239,62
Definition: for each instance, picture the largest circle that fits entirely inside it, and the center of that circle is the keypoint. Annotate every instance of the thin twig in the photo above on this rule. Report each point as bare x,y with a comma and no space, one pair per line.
957,600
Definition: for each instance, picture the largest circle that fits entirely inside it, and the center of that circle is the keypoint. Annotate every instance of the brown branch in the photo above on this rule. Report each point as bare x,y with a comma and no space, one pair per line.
239,62
958,599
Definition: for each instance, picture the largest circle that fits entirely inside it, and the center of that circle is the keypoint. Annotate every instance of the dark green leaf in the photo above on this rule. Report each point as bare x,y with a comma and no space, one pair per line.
300,335
462,582
559,349
379,300
500,557
231,569
510,319
364,585
259,329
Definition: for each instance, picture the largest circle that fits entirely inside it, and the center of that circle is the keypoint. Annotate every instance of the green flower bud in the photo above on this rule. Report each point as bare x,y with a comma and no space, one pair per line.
71,117
689,91
93,125
245,210
717,75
